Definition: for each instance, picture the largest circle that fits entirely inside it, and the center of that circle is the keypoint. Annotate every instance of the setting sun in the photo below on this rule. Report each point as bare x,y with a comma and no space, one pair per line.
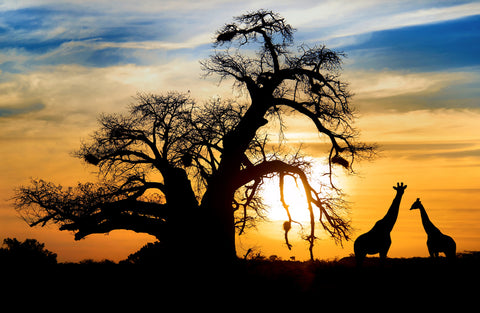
294,197
294,193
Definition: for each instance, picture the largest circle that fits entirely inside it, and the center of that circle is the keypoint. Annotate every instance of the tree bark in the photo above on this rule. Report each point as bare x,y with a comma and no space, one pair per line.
217,202
218,224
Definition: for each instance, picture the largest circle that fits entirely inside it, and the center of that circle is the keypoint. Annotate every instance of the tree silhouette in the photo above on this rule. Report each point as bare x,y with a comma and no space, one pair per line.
29,252
191,174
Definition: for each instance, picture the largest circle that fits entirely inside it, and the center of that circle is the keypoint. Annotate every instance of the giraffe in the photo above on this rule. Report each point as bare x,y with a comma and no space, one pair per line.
436,241
378,240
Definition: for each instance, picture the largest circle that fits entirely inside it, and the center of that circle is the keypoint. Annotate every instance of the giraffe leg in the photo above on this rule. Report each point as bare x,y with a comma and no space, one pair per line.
431,251
359,257
451,249
384,250
359,250
383,258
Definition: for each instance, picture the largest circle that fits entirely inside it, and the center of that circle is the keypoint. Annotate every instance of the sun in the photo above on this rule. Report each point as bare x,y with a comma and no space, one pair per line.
294,195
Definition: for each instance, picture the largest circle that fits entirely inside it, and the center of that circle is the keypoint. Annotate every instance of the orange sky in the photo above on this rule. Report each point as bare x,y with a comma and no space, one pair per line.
441,171
417,98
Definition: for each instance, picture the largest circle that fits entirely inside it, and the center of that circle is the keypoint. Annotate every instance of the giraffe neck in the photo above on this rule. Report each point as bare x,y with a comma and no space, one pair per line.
391,217
427,224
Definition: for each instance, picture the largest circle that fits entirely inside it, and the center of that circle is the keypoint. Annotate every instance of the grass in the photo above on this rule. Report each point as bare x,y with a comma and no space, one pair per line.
338,283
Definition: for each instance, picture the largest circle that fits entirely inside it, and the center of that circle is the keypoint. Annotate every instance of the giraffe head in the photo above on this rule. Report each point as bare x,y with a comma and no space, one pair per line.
416,205
400,188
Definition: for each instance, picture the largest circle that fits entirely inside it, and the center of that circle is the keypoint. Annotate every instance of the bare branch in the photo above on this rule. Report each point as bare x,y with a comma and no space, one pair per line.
330,219
89,207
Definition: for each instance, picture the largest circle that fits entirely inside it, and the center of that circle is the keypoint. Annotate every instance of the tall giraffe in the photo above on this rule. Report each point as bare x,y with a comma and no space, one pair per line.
378,240
436,241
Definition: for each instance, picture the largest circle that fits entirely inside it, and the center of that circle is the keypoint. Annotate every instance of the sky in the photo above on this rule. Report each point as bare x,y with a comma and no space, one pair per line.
412,65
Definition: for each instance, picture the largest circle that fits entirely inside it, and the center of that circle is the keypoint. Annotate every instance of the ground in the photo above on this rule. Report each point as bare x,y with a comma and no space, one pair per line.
251,284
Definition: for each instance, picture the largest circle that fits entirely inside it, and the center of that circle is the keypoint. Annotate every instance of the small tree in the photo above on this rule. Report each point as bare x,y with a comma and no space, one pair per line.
191,174
29,252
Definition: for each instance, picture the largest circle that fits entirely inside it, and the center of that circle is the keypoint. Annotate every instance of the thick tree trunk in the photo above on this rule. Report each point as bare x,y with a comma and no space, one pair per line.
180,227
218,224
217,202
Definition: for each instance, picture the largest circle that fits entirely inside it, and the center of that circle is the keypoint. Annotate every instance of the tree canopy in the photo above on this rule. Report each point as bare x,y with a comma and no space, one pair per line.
191,174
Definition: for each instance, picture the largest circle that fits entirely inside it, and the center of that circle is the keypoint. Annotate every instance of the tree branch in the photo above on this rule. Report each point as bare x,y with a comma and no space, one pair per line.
301,107
331,221
139,216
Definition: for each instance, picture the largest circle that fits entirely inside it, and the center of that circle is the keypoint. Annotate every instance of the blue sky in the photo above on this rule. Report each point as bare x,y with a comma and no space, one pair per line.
413,66
100,34
406,36
431,47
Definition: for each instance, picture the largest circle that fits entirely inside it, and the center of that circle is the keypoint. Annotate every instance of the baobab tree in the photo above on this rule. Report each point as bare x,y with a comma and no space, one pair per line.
191,174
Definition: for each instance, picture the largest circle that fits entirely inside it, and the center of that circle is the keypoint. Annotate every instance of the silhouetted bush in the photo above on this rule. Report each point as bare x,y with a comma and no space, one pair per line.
149,254
30,252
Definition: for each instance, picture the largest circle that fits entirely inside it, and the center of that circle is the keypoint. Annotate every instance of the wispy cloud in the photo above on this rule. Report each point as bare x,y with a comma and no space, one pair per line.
415,150
456,154
68,98
433,150
447,125
97,33
348,18
403,91
384,84
12,110
80,34
383,68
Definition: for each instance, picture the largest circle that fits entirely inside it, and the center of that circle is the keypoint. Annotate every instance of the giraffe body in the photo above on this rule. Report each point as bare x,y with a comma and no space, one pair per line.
436,241
378,240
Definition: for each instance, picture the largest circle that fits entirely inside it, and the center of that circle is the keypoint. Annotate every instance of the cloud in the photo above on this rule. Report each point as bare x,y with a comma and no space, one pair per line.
12,111
385,90
437,149
68,98
426,146
93,58
193,42
424,135
82,34
428,15
99,34
456,154
144,7
407,149
383,84
336,19
444,125
101,53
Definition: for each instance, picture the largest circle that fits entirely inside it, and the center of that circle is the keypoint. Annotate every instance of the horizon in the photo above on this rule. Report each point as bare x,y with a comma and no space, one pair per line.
413,67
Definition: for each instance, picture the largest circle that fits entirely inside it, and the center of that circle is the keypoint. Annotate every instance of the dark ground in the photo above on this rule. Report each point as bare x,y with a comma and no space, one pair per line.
254,285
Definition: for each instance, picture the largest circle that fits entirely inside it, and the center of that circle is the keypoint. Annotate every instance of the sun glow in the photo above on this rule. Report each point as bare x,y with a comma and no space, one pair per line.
294,194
